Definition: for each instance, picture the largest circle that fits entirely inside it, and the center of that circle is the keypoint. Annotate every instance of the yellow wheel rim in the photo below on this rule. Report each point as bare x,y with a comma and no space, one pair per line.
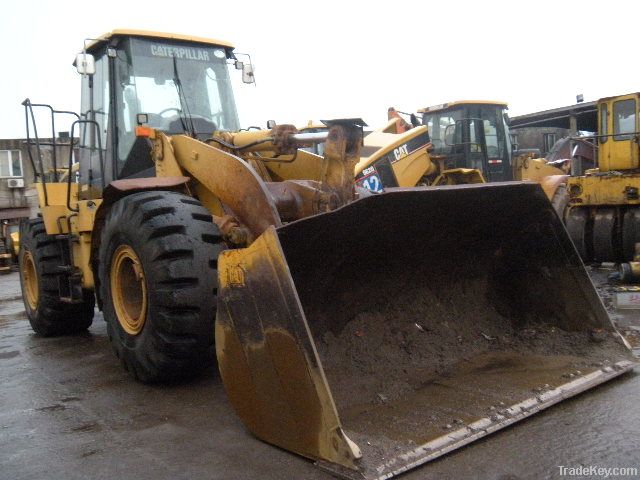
128,289
30,280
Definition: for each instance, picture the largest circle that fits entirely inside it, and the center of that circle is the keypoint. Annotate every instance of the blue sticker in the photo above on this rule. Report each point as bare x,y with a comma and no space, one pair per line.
371,182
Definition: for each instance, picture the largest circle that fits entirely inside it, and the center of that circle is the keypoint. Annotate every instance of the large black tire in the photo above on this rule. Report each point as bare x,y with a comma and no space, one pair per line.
160,319
560,200
39,258
580,228
630,233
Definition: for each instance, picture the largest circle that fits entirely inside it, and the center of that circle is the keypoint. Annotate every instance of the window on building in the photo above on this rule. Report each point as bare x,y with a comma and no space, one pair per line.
548,140
10,163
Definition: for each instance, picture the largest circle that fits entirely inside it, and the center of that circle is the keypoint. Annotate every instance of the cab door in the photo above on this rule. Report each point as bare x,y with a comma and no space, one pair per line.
618,124
491,141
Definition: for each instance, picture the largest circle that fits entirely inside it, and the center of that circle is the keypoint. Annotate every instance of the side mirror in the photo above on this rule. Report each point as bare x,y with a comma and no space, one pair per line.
142,118
247,73
271,124
85,64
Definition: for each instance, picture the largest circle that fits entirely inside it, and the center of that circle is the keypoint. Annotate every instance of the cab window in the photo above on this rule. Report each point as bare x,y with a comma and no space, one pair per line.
624,119
437,124
604,124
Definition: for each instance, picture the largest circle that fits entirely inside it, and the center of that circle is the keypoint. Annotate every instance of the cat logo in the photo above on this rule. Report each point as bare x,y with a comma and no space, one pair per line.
400,152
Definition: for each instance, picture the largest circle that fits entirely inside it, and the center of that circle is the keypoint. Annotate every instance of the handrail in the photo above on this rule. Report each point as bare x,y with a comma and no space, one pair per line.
96,125
29,115
54,133
28,110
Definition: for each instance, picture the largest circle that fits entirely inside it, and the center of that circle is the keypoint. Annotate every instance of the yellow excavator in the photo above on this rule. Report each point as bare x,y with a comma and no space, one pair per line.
369,332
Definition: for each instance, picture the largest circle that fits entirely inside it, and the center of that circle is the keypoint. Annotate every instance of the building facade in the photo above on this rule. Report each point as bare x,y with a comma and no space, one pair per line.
18,197
537,132
537,140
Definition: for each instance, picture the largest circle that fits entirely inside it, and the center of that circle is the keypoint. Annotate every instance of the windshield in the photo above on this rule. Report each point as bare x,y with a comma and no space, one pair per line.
181,87
474,127
437,123
624,118
481,117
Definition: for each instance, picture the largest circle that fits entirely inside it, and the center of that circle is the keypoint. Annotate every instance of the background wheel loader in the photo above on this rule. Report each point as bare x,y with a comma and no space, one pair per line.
603,218
371,333
475,134
468,141
400,155
454,143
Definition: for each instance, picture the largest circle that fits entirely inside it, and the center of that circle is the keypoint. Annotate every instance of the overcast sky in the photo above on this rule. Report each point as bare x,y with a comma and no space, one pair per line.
335,59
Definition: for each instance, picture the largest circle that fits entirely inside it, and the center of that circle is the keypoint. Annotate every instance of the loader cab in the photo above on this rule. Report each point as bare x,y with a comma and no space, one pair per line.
618,133
471,134
173,83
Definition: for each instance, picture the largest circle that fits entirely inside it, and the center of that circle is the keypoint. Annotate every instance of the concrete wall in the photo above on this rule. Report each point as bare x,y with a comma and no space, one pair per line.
533,137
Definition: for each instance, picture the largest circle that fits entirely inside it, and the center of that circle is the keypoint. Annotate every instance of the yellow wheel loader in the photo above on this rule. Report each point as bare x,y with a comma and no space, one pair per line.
475,134
454,143
604,204
398,155
369,332
471,134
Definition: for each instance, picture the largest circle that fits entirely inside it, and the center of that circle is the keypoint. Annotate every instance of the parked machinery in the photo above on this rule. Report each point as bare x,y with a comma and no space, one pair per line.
604,204
371,333
8,247
599,206
453,143
471,134
629,272
397,155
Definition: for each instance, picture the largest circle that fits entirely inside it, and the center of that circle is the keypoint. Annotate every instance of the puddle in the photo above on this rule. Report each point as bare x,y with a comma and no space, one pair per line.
51,408
11,354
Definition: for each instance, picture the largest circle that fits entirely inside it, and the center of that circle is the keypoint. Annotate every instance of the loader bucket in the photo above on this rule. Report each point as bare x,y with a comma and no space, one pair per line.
407,324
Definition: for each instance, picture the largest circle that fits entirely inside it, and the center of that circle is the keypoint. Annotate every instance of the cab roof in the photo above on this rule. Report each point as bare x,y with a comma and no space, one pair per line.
93,43
458,103
614,97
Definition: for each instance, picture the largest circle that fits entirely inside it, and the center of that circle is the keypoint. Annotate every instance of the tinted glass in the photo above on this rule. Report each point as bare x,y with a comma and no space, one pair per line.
181,88
437,124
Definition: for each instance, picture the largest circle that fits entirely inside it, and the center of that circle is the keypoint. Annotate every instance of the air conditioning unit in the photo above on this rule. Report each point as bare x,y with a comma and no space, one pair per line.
15,183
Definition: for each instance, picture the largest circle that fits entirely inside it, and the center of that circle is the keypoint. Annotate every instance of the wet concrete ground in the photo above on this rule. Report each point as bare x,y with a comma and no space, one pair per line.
627,321
68,411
